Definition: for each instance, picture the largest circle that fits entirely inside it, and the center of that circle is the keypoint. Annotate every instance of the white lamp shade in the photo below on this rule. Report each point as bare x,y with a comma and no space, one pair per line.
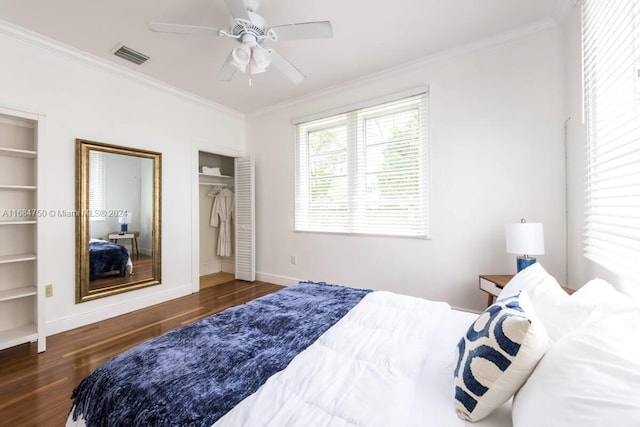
525,238
125,219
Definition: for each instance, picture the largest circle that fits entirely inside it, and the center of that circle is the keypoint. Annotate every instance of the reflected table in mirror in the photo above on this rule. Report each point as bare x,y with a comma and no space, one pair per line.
131,235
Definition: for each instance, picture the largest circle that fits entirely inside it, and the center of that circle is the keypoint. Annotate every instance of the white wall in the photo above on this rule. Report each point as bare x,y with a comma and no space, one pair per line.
84,98
497,154
580,269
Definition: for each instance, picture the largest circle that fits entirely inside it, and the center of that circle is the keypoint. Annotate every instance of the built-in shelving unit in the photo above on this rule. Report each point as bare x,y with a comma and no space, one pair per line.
21,306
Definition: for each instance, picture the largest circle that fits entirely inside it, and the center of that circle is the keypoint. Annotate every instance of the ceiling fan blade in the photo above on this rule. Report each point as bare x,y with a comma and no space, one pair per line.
237,9
304,30
287,68
162,27
227,70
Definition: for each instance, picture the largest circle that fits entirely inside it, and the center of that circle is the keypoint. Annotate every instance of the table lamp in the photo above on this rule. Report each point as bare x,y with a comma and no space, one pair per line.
524,239
124,221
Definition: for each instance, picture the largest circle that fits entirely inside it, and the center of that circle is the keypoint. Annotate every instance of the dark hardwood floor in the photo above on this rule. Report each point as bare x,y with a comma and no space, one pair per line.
35,389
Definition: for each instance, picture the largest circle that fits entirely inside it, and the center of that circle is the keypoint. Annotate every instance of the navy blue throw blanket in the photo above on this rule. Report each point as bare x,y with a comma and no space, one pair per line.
105,257
194,375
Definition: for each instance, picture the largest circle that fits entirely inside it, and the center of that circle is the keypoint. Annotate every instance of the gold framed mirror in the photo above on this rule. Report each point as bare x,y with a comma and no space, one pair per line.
118,192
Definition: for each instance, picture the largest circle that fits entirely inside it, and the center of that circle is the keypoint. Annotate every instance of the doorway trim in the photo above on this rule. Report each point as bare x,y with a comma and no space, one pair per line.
196,147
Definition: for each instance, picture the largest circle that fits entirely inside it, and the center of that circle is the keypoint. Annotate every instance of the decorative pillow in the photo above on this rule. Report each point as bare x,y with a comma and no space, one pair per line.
590,377
558,312
497,355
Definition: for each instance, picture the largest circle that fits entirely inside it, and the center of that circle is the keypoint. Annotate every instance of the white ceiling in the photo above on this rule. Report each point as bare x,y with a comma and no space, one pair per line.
370,36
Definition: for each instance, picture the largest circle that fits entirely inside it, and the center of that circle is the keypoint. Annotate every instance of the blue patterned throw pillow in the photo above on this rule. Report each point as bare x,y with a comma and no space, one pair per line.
496,356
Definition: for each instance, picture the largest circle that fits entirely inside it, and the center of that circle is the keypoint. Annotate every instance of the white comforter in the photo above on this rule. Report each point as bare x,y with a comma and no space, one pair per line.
386,363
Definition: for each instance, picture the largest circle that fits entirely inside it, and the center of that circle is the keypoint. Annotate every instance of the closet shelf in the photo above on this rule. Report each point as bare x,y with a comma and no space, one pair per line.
205,176
216,180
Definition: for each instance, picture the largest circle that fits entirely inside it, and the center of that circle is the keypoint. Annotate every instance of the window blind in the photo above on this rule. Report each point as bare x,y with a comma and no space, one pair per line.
611,61
96,185
364,171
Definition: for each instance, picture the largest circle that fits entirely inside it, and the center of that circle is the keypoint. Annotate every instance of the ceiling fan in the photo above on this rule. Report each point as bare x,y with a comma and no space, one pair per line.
251,31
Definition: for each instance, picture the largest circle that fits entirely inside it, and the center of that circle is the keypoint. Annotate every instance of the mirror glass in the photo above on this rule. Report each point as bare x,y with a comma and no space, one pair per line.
118,220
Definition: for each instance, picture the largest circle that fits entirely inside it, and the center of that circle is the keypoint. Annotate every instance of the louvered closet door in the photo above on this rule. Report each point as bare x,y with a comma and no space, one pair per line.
245,219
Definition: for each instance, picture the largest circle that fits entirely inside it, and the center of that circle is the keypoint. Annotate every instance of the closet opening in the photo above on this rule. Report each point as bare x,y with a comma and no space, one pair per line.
216,175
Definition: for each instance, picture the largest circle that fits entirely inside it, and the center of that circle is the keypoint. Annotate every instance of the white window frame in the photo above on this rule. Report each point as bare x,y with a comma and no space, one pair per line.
354,117
611,67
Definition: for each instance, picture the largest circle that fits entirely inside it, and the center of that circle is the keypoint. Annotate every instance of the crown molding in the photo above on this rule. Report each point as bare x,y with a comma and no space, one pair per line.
487,43
38,40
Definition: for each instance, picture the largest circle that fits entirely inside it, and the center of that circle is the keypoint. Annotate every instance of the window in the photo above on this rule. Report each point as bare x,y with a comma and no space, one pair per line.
364,171
611,57
96,186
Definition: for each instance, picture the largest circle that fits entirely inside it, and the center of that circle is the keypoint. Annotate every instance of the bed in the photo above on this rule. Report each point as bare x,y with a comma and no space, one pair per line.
324,355
106,258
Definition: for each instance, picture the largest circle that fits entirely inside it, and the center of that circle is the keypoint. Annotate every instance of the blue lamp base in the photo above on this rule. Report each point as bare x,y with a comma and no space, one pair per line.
123,229
524,262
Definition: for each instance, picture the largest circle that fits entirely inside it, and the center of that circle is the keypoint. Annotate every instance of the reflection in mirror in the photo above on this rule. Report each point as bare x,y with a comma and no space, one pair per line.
118,225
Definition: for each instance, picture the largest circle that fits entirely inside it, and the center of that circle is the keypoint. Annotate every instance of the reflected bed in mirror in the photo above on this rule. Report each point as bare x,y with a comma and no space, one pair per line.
118,221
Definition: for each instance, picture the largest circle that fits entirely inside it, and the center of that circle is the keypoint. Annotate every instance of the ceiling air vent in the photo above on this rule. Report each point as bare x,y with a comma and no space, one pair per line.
129,54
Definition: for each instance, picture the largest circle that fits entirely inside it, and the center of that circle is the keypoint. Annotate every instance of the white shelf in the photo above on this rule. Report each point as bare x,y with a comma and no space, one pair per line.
215,180
19,335
16,293
14,152
18,187
21,222
204,175
17,258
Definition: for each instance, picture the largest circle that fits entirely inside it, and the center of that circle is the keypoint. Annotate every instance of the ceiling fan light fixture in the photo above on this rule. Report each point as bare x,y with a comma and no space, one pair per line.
241,57
260,60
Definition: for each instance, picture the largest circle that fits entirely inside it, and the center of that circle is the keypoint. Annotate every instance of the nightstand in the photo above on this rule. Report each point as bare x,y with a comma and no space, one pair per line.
132,235
492,284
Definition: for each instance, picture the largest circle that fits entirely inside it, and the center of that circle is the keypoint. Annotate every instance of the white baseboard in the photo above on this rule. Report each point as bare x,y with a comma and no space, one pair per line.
210,266
228,266
277,280
145,251
70,322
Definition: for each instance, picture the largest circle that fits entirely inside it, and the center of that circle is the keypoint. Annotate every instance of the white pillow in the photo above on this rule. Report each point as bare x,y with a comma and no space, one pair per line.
497,355
533,280
558,312
590,377
605,299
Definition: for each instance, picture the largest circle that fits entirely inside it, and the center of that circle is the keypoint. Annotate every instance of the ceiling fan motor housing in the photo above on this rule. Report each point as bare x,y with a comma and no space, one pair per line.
250,32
